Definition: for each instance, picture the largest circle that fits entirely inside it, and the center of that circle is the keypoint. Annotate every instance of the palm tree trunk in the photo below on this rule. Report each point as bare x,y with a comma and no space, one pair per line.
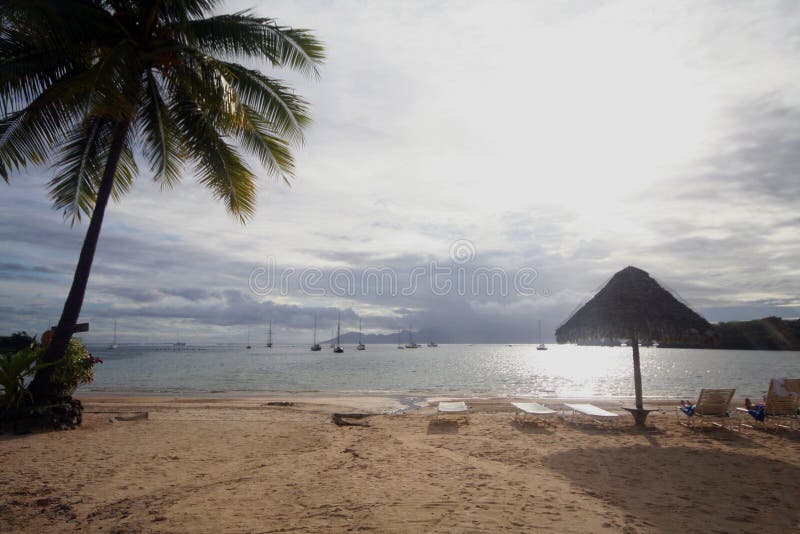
41,387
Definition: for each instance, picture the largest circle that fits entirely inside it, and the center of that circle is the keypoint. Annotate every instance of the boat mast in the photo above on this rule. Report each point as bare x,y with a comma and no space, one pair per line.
315,330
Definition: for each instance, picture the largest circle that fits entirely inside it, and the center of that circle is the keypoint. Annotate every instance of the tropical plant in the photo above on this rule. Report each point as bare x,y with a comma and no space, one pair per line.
87,84
15,370
75,368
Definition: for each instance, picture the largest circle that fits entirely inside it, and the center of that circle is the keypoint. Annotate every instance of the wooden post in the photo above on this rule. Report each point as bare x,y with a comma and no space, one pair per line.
641,415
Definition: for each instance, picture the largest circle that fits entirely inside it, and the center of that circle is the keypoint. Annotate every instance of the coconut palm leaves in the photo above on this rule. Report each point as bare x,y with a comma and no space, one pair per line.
163,69
90,85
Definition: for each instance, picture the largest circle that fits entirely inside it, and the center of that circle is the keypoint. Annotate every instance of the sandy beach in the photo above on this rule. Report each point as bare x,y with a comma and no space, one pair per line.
240,465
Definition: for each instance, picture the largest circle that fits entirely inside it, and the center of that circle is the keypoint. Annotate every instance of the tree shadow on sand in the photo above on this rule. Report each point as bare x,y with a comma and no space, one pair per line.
443,427
688,489
531,427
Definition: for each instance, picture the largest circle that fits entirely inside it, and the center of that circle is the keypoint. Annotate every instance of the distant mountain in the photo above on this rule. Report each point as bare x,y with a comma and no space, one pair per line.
422,337
769,333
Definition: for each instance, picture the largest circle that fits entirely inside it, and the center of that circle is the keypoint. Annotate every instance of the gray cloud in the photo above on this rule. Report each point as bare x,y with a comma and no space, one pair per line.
558,175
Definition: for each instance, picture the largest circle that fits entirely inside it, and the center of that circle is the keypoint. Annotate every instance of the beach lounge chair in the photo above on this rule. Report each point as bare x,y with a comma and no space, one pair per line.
780,405
597,414
450,408
712,405
530,408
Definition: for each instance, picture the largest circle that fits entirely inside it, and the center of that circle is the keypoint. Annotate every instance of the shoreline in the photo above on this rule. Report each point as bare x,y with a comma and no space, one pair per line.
389,403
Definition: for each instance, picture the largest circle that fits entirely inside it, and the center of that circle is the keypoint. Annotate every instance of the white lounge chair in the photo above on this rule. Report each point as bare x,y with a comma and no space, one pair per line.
450,408
595,412
780,406
712,405
530,408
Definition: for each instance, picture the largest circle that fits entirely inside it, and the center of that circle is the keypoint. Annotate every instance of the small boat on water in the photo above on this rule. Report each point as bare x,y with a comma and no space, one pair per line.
269,336
338,349
541,345
432,344
399,341
411,344
248,338
360,345
315,347
113,344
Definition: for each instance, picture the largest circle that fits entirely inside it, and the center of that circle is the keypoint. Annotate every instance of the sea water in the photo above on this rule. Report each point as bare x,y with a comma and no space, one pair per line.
463,370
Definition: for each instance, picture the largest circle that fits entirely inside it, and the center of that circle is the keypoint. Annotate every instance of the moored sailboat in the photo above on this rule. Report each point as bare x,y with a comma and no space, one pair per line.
269,336
360,345
411,344
113,344
315,346
541,345
338,348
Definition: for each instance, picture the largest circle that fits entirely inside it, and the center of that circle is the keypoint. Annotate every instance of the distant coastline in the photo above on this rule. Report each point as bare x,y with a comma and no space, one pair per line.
769,333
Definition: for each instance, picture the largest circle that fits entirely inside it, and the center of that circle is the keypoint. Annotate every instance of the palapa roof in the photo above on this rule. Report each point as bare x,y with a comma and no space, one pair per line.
631,303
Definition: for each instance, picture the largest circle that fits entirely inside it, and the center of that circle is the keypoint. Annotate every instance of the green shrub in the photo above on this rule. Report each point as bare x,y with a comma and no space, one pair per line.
15,369
75,368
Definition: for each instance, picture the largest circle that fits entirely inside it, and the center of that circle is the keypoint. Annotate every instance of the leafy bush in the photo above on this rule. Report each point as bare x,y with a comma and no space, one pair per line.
14,371
75,368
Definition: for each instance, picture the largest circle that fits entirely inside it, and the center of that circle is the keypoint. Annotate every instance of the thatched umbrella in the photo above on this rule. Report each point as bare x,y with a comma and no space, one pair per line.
632,305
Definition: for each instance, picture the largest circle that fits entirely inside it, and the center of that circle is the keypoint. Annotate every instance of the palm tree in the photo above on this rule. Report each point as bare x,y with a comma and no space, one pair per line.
92,85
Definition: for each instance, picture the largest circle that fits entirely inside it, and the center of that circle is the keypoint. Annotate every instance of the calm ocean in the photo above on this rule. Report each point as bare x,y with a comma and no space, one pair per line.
561,371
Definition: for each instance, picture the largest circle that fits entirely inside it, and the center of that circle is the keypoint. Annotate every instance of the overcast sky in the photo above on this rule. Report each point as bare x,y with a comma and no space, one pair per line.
555,142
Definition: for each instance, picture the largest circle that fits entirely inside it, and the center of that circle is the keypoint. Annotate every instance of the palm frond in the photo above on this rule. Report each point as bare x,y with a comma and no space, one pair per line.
277,104
242,35
74,187
28,135
218,165
80,169
170,11
103,91
252,132
160,139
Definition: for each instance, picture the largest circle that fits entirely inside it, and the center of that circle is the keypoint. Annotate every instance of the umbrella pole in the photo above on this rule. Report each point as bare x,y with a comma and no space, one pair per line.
640,414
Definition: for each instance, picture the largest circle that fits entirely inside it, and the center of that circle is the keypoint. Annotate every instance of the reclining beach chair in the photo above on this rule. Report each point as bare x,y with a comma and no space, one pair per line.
712,405
524,409
450,408
597,414
781,404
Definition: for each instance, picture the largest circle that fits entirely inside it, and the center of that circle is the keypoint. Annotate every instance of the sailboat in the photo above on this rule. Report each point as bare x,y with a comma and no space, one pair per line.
432,344
360,345
315,347
248,338
338,348
333,343
411,344
269,336
399,340
541,345
114,341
